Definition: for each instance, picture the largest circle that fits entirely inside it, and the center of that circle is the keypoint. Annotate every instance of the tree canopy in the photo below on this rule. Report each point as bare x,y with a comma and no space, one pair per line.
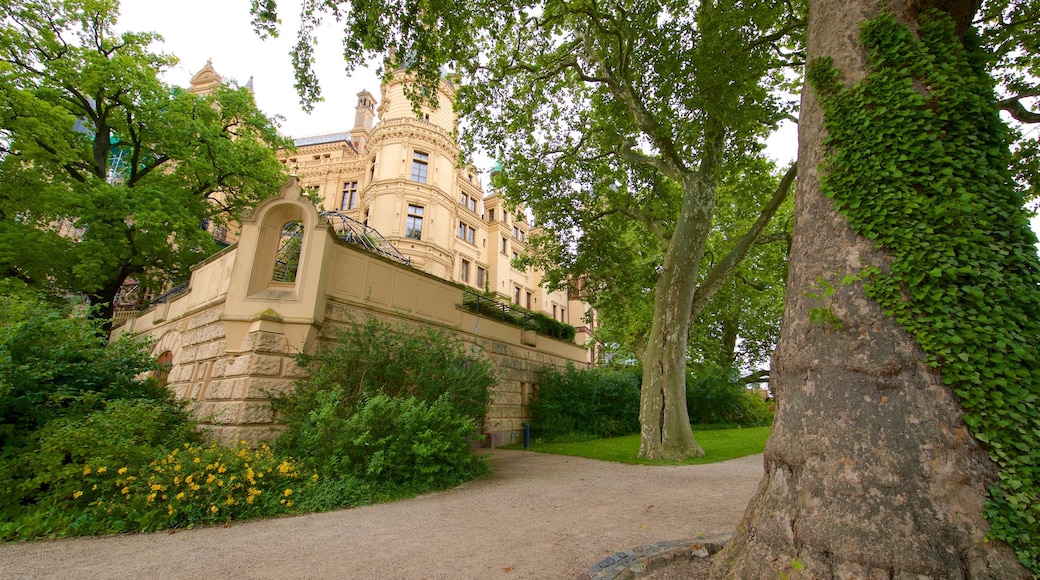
108,172
618,112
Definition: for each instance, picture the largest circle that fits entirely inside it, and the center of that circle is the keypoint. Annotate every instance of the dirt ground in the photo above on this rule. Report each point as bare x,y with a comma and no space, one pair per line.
536,516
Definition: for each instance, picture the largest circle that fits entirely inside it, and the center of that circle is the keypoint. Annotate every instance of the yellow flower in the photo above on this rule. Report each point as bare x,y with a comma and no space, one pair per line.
76,494
314,477
197,460
213,508
179,495
169,510
156,487
94,488
230,500
121,470
101,470
86,470
177,467
151,497
288,503
288,492
210,478
284,467
187,479
221,469
125,491
220,483
177,480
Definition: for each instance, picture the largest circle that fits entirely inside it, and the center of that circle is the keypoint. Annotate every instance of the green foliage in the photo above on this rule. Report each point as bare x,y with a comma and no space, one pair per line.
408,443
374,357
188,485
600,402
55,364
919,164
718,444
47,470
724,400
108,172
512,314
388,407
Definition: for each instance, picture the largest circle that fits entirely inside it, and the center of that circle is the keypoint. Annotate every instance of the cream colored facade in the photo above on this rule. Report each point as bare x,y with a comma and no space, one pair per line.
231,335
399,175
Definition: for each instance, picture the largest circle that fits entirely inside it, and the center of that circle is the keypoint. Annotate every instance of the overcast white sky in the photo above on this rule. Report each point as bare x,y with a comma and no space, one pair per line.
219,30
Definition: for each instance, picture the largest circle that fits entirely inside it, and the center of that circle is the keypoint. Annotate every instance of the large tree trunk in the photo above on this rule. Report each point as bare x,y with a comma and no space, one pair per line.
665,431
870,470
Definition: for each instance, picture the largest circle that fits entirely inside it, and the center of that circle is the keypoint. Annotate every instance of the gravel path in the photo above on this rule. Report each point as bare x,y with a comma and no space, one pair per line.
536,516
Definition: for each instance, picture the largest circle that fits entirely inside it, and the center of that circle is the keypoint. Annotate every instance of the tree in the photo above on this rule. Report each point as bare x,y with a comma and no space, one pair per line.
907,433
630,110
107,171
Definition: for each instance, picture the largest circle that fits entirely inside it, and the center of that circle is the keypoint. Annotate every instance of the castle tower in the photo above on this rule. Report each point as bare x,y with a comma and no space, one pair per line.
363,121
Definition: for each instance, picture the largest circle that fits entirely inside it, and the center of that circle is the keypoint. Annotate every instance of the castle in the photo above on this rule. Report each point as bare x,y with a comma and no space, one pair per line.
377,221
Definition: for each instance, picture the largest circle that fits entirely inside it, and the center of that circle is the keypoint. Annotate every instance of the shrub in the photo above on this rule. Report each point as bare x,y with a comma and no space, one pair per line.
589,402
725,401
377,358
124,433
189,485
54,364
409,444
387,409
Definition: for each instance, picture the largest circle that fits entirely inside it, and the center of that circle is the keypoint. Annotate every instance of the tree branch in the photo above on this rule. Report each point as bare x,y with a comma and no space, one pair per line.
1018,110
718,274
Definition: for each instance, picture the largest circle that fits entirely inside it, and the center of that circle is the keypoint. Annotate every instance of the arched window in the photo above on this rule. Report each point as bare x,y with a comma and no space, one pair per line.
287,260
165,364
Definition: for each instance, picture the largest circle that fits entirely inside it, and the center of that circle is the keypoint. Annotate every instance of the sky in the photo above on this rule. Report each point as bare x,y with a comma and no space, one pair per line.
219,30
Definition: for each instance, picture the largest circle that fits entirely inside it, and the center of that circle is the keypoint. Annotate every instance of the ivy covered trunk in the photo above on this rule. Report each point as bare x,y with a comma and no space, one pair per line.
874,468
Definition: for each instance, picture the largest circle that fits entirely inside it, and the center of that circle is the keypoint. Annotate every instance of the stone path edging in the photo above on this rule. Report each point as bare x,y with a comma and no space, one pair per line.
641,560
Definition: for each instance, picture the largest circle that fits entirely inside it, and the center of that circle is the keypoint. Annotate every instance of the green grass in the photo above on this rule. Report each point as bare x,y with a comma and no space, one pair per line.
718,445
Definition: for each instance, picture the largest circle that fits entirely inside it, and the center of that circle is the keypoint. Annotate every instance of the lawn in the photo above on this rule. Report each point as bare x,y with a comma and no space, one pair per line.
718,445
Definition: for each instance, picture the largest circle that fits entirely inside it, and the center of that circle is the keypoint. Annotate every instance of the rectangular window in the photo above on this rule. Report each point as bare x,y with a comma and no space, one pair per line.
481,275
491,215
420,163
516,294
516,256
349,195
528,300
466,232
554,312
464,271
413,224
505,245
463,198
473,204
563,315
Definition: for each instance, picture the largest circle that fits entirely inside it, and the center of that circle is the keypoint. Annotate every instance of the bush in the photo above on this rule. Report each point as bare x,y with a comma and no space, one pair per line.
387,411
53,364
409,444
725,401
589,402
124,433
376,358
189,485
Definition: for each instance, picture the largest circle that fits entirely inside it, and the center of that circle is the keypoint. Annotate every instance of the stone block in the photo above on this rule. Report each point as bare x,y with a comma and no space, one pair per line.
189,354
292,370
180,373
219,368
261,341
265,388
252,413
218,412
203,334
206,317
212,350
220,390
255,365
